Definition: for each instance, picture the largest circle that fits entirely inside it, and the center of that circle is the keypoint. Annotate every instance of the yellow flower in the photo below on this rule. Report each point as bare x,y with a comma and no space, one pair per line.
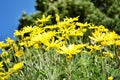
94,47
70,49
15,47
23,43
76,33
107,42
4,53
44,19
54,44
108,54
42,38
105,37
117,42
68,57
17,66
36,46
1,64
97,36
9,41
110,78
3,45
50,27
19,53
17,33
100,28
81,24
104,43
57,17
71,19
4,77
27,29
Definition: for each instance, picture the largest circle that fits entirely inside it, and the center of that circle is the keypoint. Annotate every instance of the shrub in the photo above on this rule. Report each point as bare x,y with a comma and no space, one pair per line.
98,12
61,51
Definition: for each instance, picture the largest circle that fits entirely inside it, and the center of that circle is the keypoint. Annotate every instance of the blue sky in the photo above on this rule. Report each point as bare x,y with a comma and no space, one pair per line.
10,12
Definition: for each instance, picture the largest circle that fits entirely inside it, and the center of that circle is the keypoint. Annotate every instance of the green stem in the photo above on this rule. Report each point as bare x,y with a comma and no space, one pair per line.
116,54
103,70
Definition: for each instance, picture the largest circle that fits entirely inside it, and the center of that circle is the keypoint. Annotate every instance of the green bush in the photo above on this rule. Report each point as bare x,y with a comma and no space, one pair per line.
61,52
99,12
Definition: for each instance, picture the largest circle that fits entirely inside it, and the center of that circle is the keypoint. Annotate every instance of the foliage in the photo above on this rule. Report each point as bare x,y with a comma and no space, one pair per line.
62,51
9,62
98,12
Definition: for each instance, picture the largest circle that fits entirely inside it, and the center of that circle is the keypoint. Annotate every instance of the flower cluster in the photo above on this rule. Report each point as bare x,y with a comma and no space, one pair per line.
8,59
68,37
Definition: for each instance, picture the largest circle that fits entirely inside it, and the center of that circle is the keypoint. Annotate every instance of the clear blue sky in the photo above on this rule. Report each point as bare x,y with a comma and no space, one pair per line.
10,12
